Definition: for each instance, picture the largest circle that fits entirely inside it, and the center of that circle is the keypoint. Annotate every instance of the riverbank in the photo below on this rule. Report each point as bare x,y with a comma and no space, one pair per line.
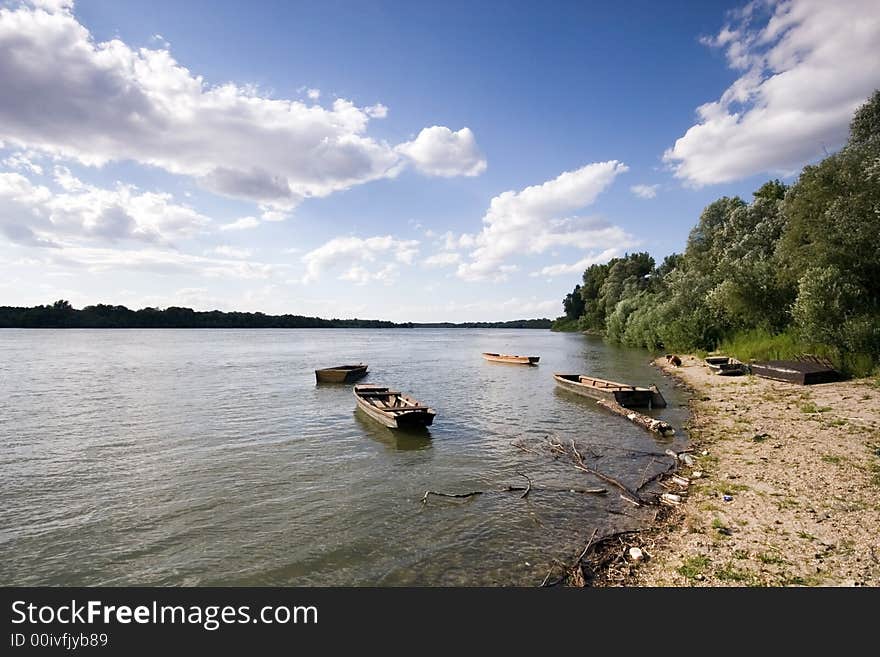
790,486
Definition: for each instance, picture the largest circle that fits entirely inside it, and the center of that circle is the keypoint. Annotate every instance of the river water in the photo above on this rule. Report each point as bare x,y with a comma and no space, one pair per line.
211,457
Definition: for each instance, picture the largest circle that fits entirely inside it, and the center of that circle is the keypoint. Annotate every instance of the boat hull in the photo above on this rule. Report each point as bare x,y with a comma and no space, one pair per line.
341,374
624,395
513,360
397,419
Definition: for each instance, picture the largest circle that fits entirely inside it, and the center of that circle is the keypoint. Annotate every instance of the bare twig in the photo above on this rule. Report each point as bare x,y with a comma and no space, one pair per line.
644,474
528,489
589,543
433,492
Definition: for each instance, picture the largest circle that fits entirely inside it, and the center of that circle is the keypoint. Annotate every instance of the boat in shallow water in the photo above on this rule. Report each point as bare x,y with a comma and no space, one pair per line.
393,408
507,358
341,373
620,393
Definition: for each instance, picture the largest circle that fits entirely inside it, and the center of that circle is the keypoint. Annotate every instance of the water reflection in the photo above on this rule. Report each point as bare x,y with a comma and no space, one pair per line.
408,439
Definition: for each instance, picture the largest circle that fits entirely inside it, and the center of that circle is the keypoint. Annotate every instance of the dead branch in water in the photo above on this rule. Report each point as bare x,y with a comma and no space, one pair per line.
434,492
649,423
578,462
516,489
528,489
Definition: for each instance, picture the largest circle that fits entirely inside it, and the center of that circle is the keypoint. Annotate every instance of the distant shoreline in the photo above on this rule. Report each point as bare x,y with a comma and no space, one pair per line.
61,315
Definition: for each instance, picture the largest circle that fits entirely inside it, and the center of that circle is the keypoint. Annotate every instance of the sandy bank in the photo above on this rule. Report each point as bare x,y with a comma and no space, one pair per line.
800,466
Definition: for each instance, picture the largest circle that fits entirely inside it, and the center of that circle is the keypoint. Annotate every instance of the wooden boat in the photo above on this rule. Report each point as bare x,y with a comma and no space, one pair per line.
516,360
726,366
341,373
392,408
619,393
803,372
714,362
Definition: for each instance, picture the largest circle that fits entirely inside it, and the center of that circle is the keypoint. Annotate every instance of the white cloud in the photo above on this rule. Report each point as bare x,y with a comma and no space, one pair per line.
579,266
377,111
273,215
21,162
233,252
539,218
241,224
805,71
645,191
155,260
313,94
356,252
444,259
69,96
361,276
438,151
53,5
34,215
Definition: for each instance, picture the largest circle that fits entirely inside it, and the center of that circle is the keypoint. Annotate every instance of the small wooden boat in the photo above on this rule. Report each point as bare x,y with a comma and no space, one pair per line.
392,408
619,393
516,360
726,366
341,373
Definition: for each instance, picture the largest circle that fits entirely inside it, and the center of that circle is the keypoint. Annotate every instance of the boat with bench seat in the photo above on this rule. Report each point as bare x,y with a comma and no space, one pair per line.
620,393
393,408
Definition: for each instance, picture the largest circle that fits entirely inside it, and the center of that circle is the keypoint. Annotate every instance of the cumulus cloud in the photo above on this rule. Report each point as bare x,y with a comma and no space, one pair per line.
36,215
645,191
233,252
69,96
539,218
313,94
577,267
438,151
444,259
21,162
355,253
806,66
241,224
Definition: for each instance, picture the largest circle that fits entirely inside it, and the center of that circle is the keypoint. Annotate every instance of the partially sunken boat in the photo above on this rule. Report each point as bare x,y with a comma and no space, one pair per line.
507,358
392,408
341,373
620,393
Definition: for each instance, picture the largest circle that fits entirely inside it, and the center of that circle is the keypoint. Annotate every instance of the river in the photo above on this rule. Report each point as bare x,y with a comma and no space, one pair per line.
211,457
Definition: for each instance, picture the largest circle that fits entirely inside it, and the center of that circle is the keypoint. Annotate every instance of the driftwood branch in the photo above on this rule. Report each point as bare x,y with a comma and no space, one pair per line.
434,492
528,488
525,490
578,461
649,423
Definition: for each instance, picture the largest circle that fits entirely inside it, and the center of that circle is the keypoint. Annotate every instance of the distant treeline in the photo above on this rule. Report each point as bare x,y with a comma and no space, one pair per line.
62,315
795,270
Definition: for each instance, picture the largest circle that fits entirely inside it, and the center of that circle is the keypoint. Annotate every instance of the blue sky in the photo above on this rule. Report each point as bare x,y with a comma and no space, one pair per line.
405,161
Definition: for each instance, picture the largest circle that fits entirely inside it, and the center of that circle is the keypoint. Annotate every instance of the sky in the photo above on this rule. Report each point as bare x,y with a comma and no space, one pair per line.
409,161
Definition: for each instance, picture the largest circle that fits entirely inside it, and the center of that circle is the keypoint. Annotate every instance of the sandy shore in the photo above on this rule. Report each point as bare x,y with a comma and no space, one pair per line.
790,492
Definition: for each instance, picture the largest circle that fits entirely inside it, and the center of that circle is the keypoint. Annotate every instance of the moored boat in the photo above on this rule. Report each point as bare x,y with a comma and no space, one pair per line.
619,393
508,358
341,373
726,366
393,408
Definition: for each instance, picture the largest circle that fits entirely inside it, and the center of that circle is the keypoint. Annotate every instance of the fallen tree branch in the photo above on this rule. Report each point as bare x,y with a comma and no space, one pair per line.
630,495
528,489
516,489
434,492
649,423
